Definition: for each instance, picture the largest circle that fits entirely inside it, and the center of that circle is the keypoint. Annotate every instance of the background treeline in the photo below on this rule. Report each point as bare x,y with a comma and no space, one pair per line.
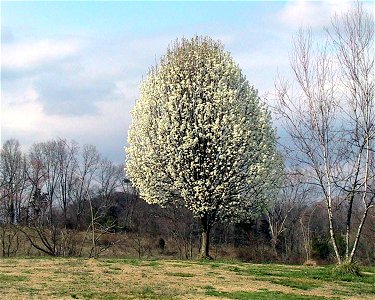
61,199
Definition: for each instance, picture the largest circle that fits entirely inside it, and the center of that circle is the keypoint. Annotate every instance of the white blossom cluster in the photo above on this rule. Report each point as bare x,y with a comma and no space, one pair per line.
200,135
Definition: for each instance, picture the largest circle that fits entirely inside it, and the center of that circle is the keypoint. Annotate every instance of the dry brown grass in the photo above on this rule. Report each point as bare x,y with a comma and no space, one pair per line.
60,278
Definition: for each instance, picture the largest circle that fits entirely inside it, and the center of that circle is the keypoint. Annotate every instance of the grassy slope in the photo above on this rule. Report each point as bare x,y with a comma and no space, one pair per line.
74,278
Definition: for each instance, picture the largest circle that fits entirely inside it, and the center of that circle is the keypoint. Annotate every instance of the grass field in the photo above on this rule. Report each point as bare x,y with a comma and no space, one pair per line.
74,278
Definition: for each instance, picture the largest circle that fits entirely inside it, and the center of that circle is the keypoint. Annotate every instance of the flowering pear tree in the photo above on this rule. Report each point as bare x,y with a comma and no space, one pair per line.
201,137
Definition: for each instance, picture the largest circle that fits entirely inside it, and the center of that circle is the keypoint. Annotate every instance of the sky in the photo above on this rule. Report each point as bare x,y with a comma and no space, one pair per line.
72,69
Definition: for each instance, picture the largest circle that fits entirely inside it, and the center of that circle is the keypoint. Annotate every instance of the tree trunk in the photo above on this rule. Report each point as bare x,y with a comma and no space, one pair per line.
273,246
348,226
358,235
273,236
205,238
332,235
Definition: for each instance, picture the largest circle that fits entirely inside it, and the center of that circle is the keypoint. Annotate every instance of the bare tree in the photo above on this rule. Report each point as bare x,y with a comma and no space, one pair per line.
43,231
36,176
353,39
331,120
289,204
12,180
67,162
108,180
87,168
13,186
305,221
51,172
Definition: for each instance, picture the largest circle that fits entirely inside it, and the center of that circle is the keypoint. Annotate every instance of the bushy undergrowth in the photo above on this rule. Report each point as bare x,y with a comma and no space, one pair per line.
347,268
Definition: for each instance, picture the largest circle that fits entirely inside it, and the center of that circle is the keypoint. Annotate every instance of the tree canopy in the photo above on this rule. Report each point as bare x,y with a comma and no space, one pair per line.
201,137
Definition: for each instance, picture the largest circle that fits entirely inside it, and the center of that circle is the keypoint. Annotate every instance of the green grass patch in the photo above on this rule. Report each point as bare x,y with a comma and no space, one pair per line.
319,273
180,274
124,261
259,295
151,263
181,265
308,278
111,272
11,278
361,288
148,292
212,274
300,284
131,261
29,290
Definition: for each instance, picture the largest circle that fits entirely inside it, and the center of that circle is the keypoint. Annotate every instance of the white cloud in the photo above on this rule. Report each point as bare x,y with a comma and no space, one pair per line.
84,89
81,93
20,110
315,14
259,60
28,55
26,117
28,122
